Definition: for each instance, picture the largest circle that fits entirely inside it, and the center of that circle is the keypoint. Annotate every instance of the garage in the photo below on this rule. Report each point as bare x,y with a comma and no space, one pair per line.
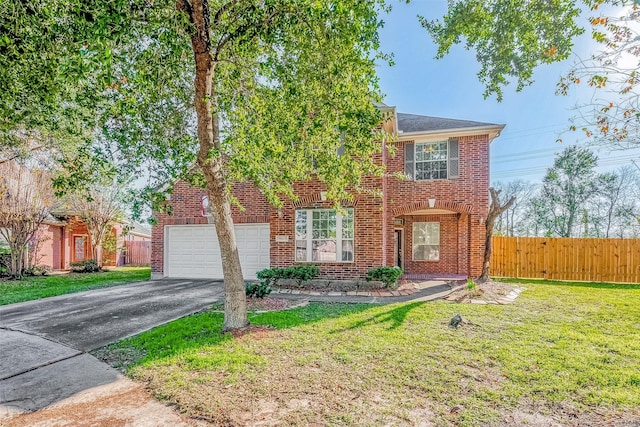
192,251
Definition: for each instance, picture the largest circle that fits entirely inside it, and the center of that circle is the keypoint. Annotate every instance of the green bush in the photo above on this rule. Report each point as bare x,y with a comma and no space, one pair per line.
470,284
257,290
299,273
85,266
387,275
38,270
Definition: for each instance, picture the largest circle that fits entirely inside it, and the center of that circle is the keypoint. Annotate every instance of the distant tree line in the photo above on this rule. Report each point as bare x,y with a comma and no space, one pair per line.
573,200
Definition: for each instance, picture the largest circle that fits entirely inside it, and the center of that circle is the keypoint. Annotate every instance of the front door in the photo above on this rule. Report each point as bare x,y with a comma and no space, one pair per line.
397,248
80,248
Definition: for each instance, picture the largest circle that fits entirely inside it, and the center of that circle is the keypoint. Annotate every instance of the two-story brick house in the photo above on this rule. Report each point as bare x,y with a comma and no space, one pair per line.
431,223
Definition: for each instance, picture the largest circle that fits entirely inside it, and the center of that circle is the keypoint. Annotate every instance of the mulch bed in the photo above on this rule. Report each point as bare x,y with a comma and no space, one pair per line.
489,291
269,304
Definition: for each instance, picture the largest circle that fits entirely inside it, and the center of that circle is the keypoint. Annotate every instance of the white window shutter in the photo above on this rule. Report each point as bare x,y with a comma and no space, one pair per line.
409,162
454,158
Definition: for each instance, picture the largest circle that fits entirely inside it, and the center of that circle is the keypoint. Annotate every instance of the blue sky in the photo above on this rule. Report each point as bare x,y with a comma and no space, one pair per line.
535,117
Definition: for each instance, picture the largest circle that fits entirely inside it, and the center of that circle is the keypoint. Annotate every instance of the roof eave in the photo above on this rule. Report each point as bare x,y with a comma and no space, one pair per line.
140,234
55,223
492,130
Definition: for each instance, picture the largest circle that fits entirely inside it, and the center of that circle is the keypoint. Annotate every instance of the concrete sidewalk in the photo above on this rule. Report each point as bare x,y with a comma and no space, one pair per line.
35,372
44,343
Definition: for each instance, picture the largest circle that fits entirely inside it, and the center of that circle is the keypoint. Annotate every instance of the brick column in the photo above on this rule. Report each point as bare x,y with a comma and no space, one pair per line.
463,244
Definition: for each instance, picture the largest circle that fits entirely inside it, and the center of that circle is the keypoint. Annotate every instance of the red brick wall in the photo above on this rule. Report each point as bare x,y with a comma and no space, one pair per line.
367,232
470,190
449,259
186,204
462,233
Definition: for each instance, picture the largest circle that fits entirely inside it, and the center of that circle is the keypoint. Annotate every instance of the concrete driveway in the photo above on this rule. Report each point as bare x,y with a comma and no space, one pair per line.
43,343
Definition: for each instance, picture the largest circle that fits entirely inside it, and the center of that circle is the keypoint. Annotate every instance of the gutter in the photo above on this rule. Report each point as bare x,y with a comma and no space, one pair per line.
493,131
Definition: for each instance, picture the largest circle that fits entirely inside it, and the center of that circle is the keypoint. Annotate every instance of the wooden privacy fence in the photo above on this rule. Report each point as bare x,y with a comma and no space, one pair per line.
592,260
137,253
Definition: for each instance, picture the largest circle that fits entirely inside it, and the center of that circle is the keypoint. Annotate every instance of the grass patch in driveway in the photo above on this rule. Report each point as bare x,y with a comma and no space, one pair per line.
560,353
32,288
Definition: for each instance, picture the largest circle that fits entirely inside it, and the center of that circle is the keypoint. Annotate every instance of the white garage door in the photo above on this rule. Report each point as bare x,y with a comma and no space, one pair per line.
192,251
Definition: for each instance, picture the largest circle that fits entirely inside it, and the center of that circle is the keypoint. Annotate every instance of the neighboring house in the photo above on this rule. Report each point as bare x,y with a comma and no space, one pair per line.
136,232
431,223
64,239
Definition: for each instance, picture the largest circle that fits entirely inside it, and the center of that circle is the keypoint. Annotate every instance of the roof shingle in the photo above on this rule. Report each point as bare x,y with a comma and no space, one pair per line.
417,123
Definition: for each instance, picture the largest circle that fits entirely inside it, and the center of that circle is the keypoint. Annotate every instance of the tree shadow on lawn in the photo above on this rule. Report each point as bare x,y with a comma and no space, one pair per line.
205,329
395,316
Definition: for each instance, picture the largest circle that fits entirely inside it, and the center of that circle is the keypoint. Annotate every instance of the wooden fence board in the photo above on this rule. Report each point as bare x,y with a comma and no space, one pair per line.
583,259
137,253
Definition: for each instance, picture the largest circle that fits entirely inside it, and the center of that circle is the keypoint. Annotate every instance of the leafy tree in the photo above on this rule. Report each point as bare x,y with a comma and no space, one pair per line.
26,199
265,92
566,187
99,208
39,111
612,114
510,38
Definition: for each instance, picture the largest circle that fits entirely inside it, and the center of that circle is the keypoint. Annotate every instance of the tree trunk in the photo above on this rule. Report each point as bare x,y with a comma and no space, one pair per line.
209,160
495,210
97,253
17,260
235,300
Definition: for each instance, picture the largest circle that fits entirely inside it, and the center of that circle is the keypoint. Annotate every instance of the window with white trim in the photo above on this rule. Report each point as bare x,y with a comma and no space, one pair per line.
324,235
432,160
426,241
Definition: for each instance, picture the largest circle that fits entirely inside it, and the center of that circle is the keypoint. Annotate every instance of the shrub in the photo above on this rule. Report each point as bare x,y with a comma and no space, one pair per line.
299,273
38,270
85,266
470,284
387,275
257,290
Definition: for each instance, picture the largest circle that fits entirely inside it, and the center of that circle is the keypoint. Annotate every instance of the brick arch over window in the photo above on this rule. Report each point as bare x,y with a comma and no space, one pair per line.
316,199
439,204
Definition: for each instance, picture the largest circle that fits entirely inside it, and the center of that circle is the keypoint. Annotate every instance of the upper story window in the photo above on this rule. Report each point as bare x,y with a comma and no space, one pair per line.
324,235
431,160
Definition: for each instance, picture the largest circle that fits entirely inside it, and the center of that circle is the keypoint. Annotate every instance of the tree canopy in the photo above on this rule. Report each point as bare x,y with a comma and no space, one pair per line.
612,114
265,92
510,38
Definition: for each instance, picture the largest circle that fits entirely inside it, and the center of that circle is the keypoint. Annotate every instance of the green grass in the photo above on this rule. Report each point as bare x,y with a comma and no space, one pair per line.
31,288
568,352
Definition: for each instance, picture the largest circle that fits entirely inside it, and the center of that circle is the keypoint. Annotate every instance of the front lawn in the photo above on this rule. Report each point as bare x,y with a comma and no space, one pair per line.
565,354
31,288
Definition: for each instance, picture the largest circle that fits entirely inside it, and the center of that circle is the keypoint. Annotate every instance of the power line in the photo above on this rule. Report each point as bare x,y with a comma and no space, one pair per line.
537,157
522,153
537,170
